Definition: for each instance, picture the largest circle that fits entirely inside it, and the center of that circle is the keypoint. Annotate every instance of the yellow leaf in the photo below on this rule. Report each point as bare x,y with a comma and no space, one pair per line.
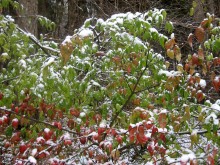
66,50
194,138
180,68
167,63
187,112
178,57
170,53
115,154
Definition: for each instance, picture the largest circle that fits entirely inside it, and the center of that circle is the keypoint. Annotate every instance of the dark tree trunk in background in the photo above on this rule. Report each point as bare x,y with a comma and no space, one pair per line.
27,18
199,11
77,14
202,8
71,14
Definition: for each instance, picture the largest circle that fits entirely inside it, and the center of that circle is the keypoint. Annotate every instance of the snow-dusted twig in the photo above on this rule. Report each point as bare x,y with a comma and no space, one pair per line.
45,49
35,120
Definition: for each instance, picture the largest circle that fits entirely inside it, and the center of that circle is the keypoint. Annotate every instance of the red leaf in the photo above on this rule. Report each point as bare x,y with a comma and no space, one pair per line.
216,83
211,160
141,129
200,34
154,131
150,150
199,96
162,137
195,59
141,139
132,132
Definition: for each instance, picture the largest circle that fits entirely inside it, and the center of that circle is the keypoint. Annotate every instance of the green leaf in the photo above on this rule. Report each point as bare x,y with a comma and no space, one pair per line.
191,12
169,27
216,46
194,4
9,131
164,13
23,132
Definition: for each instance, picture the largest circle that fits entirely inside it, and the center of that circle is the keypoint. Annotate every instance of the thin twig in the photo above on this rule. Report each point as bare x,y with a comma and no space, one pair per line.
35,120
130,96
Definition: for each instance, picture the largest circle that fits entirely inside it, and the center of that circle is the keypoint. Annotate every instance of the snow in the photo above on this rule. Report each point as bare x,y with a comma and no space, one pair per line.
95,83
202,83
133,39
4,55
66,136
169,73
93,134
213,117
194,132
9,18
78,120
67,40
23,64
217,79
139,109
103,124
162,130
49,62
31,159
40,87
46,130
15,120
163,111
34,151
40,139
153,30
215,107
85,33
187,157
82,114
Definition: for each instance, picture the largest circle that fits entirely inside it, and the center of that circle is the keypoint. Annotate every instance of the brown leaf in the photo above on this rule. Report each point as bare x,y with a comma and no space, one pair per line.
162,120
177,53
190,38
201,53
200,34
170,43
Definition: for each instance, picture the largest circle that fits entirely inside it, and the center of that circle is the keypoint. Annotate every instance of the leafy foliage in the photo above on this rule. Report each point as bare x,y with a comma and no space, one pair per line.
110,95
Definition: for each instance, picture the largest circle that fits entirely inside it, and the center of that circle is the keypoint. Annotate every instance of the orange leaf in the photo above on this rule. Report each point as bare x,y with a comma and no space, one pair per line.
200,34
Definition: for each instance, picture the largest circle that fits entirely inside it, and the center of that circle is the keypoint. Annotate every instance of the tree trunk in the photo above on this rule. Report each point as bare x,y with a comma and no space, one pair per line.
199,11
27,18
77,14
202,8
